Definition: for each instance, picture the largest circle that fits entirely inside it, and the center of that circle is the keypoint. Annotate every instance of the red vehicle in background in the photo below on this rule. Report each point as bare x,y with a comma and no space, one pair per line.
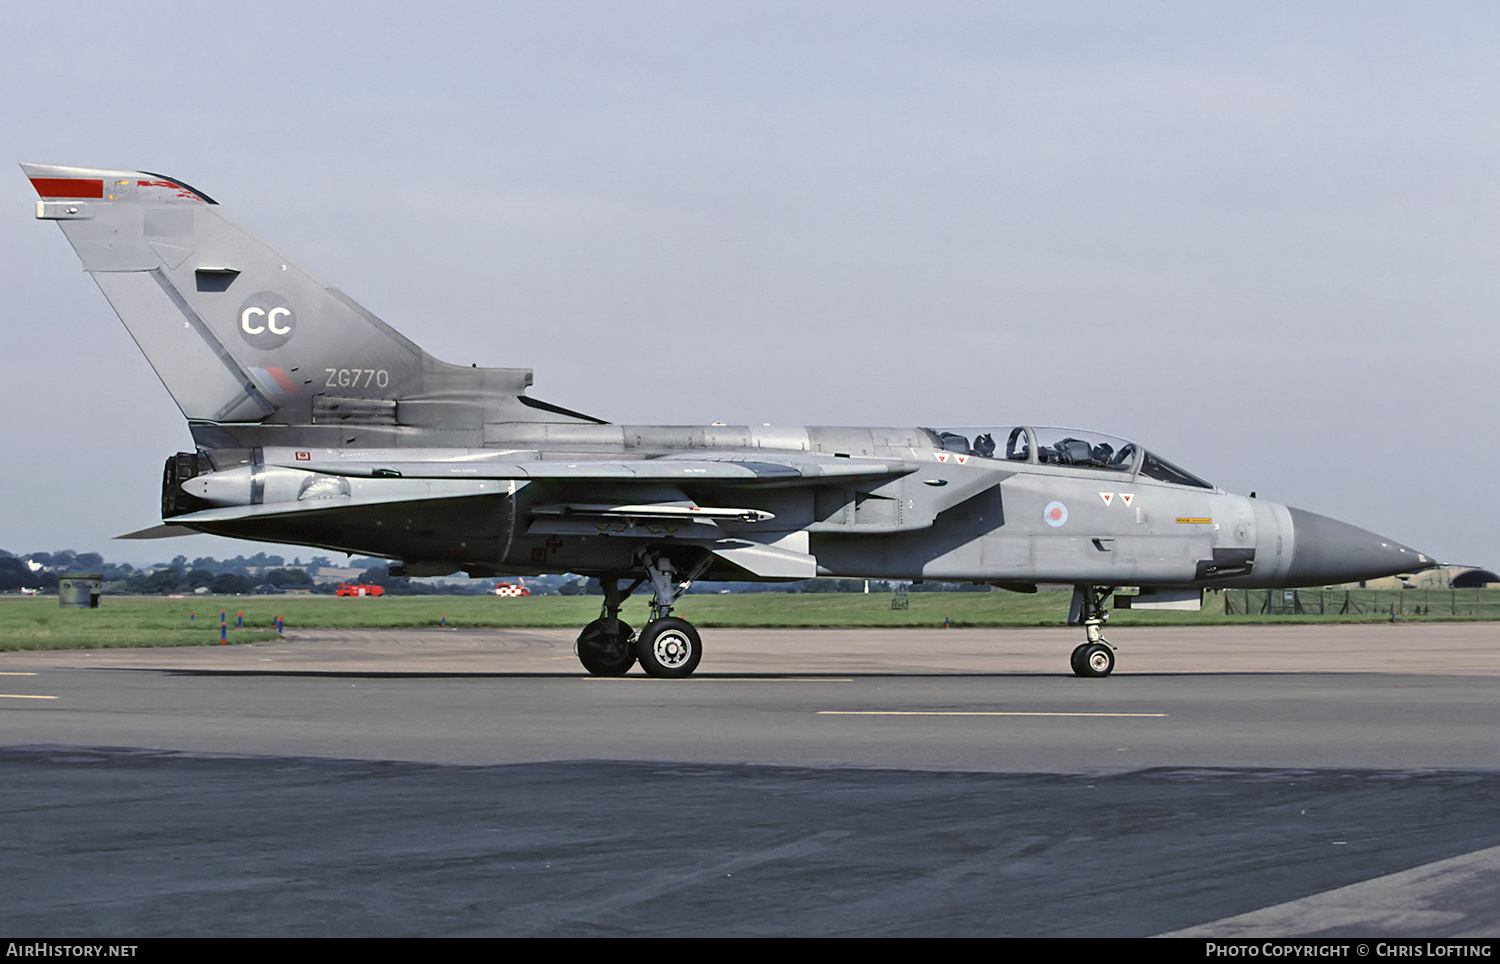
509,589
353,589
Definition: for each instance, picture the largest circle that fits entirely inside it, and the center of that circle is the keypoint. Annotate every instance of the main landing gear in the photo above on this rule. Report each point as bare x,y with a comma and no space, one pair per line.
1095,657
667,648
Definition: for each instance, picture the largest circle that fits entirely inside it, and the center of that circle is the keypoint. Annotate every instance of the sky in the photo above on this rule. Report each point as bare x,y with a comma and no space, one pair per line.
1259,238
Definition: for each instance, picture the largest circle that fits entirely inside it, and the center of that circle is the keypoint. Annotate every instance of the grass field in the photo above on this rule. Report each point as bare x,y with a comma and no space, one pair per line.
38,623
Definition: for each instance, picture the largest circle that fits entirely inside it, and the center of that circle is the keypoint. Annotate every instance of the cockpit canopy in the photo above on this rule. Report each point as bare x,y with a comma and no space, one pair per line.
1046,445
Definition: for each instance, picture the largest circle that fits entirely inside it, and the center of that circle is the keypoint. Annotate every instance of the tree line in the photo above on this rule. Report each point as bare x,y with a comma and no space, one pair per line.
247,574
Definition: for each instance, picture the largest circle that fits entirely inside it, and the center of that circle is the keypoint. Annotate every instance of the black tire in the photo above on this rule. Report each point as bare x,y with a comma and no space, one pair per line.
1076,660
669,648
1096,661
605,648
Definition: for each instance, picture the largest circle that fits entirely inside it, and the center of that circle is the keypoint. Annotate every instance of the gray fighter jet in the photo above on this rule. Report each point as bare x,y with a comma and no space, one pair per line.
315,423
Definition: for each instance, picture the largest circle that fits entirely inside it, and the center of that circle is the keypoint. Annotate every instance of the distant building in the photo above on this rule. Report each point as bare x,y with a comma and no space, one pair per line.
1474,579
1445,577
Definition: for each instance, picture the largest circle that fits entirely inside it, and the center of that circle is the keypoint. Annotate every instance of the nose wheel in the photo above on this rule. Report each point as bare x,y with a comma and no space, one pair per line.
1094,658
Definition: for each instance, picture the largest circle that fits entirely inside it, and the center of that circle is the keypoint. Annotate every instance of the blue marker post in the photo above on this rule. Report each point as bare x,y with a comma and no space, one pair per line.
239,620
223,629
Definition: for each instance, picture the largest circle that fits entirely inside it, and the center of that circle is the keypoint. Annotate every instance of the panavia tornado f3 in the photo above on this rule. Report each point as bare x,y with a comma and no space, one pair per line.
315,423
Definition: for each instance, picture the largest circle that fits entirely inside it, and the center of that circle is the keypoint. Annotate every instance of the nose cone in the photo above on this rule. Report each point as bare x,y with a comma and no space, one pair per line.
1326,551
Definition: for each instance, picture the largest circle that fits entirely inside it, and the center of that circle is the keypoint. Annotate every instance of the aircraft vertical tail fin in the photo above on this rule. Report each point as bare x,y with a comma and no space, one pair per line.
236,331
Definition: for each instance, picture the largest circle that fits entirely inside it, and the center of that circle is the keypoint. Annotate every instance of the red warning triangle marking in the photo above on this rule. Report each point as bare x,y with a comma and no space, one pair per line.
941,456
1108,497
1126,497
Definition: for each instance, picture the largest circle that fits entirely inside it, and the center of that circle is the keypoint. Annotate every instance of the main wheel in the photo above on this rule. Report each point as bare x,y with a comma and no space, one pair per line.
604,648
669,648
1096,660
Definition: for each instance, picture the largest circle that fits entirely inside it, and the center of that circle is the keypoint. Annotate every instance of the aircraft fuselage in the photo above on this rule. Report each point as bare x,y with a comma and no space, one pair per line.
925,512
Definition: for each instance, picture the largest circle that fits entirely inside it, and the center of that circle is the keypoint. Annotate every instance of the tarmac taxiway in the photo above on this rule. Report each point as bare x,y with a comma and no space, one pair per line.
409,782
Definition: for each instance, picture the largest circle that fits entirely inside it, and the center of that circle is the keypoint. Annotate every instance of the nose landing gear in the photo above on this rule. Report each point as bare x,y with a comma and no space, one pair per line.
1096,656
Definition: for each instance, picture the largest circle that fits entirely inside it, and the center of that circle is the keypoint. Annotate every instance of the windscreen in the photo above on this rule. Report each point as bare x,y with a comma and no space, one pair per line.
1158,468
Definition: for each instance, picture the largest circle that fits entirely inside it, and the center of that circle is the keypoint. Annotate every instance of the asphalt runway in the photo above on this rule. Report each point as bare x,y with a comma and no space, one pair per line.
1276,781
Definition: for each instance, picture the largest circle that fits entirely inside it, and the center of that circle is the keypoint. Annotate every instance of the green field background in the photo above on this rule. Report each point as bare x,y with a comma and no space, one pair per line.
39,623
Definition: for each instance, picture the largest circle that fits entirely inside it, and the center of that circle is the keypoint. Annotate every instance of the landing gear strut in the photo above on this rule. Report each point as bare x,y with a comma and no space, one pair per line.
1096,656
667,648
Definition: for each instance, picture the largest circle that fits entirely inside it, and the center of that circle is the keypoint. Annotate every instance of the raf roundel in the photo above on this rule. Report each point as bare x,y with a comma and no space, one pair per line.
266,320
1055,514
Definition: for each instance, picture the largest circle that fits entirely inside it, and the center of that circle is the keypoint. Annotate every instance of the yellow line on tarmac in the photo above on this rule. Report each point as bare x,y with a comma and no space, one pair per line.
24,696
972,713
17,674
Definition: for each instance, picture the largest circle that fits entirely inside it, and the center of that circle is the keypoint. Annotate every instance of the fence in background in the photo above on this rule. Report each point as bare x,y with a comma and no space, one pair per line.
1340,602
